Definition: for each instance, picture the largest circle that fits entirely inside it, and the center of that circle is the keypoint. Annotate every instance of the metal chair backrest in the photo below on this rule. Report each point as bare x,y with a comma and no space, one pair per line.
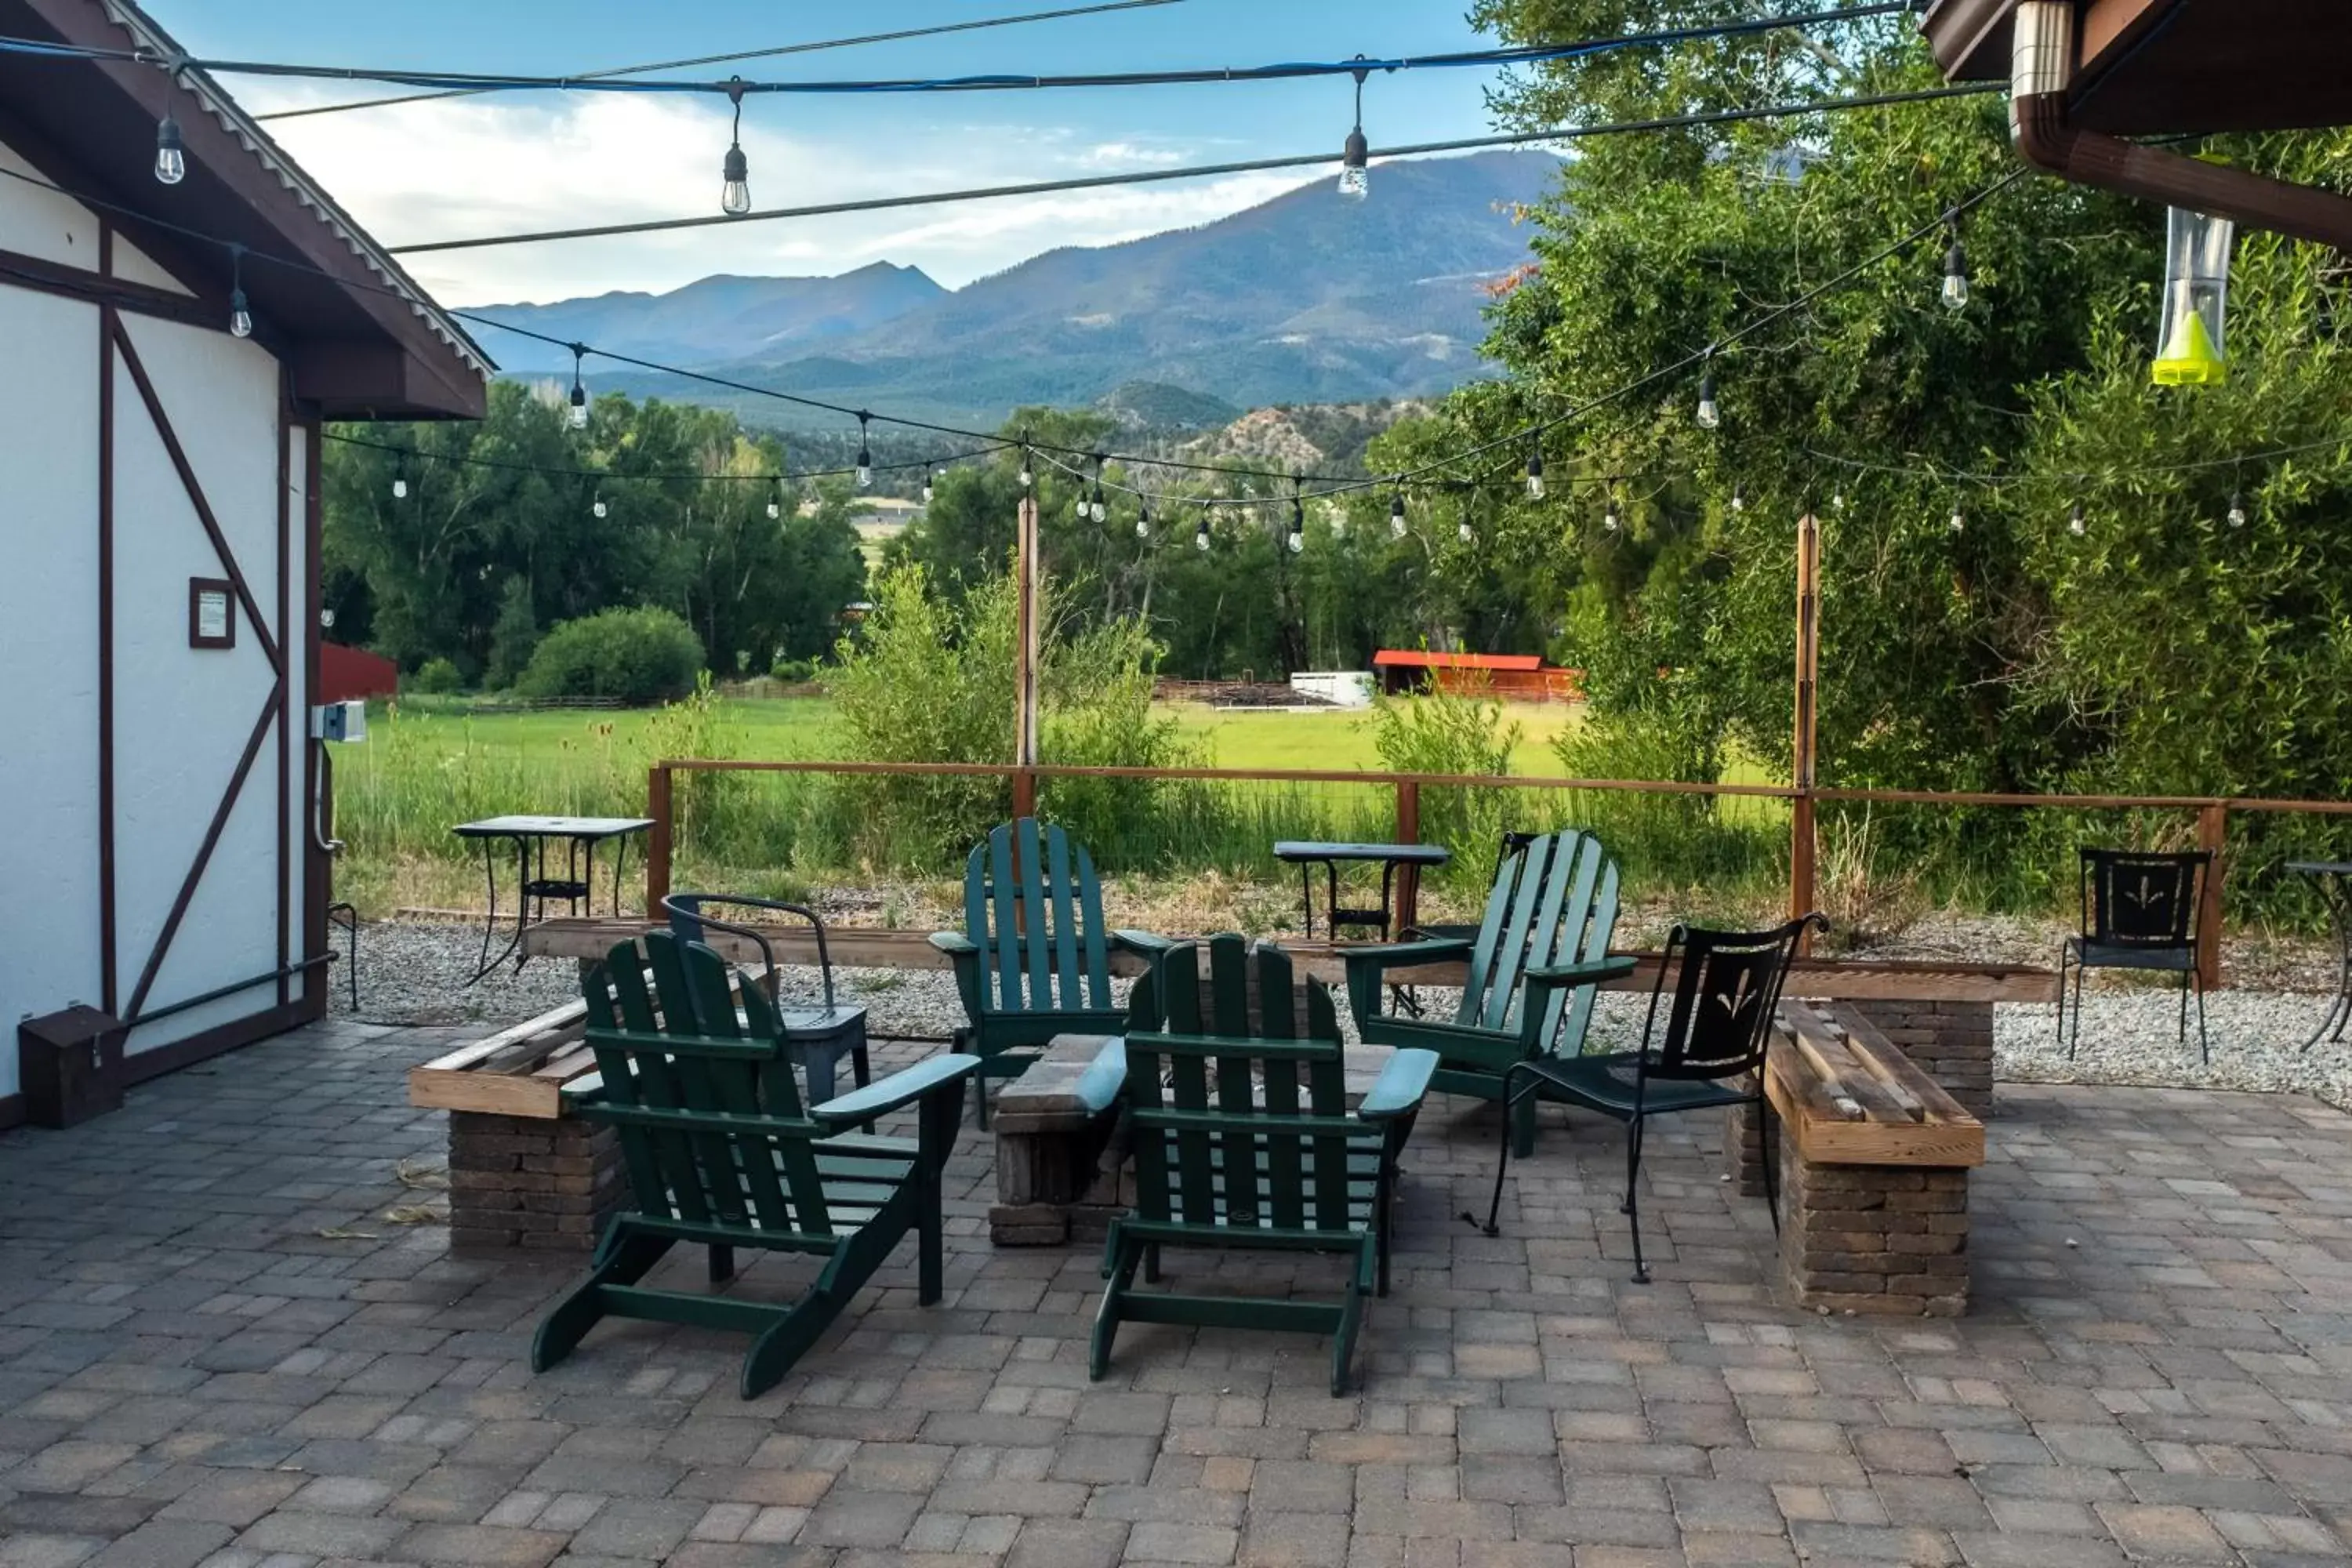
2141,899
1727,987
710,1122
1239,1123
1034,908
1554,901
689,915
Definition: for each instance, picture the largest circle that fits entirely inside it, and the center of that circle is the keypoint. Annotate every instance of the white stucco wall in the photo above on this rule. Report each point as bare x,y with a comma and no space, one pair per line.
182,715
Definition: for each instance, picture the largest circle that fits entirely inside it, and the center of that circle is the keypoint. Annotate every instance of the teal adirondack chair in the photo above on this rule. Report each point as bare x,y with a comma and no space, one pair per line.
1243,1138
1033,960
1541,950
720,1150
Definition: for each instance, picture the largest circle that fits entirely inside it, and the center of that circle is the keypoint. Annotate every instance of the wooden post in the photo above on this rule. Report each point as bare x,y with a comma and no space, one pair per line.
658,841
1408,831
1025,654
1803,840
2212,837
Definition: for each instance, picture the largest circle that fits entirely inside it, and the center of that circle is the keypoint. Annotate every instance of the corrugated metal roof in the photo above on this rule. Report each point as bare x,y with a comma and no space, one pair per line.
1414,658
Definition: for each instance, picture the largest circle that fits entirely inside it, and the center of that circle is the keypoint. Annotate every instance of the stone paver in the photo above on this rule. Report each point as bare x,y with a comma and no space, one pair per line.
219,1351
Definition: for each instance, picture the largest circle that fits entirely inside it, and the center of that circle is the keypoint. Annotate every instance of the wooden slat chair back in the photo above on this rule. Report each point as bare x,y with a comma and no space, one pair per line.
719,1150
1034,960
1533,970
1238,1117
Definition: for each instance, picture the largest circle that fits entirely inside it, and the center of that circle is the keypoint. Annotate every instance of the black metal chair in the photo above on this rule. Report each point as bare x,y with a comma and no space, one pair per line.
2138,911
813,1038
1726,988
345,918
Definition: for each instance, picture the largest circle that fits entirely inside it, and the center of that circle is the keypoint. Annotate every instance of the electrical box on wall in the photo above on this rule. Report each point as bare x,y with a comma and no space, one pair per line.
339,721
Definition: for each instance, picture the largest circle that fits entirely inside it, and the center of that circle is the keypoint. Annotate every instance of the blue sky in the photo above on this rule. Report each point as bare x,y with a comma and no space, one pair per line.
517,162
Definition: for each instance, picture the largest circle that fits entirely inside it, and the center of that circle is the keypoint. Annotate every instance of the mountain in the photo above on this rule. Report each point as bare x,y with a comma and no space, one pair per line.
718,318
1303,298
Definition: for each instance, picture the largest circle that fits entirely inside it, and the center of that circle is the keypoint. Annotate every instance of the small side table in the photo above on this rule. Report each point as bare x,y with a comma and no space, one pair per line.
580,836
2334,880
1307,854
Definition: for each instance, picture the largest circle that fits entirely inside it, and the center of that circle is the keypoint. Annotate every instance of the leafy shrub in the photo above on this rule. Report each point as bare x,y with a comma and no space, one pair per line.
435,677
792,671
1440,732
644,655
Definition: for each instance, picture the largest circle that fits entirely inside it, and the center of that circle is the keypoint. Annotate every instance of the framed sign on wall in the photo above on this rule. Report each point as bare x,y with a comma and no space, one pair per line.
212,612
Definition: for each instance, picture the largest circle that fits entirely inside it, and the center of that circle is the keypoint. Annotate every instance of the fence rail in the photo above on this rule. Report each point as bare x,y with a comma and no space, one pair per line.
2211,813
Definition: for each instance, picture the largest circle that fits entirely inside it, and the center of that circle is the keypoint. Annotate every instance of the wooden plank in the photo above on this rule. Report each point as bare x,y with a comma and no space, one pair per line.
1908,1119
1827,1140
1934,1100
1837,978
1830,1053
572,1013
568,1065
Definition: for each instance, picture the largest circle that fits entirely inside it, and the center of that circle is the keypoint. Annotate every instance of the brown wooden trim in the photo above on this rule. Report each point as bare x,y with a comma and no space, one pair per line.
107,961
139,1067
200,589
99,289
179,457
204,857
318,866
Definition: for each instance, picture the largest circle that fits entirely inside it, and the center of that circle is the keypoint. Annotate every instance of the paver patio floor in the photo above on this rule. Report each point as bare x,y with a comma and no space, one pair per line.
215,1349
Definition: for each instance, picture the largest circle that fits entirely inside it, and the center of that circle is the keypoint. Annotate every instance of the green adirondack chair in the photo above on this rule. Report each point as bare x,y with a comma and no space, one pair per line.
1033,960
1243,1138
1541,950
720,1150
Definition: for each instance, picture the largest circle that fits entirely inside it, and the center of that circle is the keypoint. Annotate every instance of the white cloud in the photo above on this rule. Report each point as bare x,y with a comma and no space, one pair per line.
474,166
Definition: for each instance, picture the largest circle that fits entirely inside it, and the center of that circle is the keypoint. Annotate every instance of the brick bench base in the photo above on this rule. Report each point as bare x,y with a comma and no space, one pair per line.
519,1181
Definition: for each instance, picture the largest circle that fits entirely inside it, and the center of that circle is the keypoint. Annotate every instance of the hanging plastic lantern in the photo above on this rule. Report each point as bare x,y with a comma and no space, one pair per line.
2191,350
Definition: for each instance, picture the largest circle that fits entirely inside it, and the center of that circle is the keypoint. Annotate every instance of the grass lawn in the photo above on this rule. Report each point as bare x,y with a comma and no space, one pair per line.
1341,741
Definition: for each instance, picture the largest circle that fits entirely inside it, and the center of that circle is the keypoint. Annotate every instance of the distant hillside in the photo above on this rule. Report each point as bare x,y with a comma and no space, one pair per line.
1305,298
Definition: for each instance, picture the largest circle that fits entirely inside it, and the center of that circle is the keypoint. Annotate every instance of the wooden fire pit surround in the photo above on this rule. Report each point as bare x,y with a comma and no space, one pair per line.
1879,1084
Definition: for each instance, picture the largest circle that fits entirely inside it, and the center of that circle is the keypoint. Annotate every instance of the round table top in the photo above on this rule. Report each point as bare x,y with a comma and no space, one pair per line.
1402,854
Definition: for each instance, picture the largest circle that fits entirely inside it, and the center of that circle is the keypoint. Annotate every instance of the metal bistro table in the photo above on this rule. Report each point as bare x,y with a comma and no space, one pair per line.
580,835
1307,854
2334,880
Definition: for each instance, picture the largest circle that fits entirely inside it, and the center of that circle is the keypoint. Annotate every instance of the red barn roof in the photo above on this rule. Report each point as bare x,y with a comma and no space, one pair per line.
1411,659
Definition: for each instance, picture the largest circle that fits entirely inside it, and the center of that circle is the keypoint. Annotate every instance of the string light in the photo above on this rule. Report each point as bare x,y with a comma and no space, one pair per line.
170,152
1298,540
1614,517
1955,273
1201,534
1143,522
1396,511
1094,507
1463,530
2237,509
1535,473
1959,522
865,454
776,501
928,476
1355,157
1028,466
2074,524
240,318
1738,502
400,481
599,508
735,195
1709,415
579,388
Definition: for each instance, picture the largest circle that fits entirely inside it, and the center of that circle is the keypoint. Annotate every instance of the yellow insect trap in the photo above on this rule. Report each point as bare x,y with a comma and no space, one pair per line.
2191,350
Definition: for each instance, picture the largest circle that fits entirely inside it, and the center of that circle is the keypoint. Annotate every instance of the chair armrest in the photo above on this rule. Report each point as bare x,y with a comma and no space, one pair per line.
954,943
899,1090
1399,1090
1099,1086
1366,965
586,1089
1564,974
1150,944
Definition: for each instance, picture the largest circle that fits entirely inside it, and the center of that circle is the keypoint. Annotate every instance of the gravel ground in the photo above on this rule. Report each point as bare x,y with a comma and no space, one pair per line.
415,973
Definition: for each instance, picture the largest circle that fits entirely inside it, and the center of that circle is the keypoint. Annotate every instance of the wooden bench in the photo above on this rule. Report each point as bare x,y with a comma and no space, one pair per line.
1874,1157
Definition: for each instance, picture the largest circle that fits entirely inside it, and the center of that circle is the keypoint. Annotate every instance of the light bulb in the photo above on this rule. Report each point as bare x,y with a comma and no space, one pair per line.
399,487
171,152
2075,524
600,508
240,319
927,486
2237,509
1143,525
1709,415
1612,520
1956,278
1738,502
1837,500
579,407
735,196
1028,473
1297,541
1461,531
1535,476
865,469
1959,521
1094,507
1200,536
775,509
1396,515
1355,176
